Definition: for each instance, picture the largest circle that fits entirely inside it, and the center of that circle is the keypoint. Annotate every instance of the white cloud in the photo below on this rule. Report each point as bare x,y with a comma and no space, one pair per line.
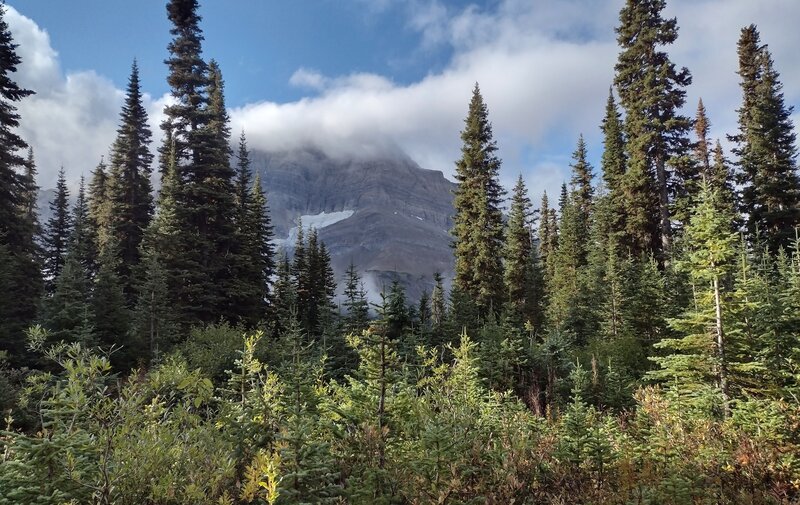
544,68
72,119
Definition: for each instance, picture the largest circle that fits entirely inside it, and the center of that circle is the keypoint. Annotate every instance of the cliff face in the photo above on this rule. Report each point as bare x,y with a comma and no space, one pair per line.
392,218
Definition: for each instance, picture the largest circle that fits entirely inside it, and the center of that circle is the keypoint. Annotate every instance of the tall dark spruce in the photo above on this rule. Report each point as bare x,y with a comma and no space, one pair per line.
652,92
478,222
766,147
129,192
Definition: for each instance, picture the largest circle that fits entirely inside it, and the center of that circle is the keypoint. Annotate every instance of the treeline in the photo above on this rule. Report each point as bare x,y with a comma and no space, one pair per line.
636,341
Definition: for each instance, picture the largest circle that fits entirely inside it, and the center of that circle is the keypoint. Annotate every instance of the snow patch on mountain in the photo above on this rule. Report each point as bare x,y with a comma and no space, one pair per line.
315,221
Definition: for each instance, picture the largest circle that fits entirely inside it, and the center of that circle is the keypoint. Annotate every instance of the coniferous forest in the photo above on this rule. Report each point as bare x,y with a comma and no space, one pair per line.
635,339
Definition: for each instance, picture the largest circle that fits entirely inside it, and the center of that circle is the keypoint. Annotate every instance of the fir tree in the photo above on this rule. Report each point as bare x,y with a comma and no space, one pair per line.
57,232
12,183
82,241
699,358
196,136
478,224
766,147
68,312
581,190
98,206
652,93
111,317
355,302
438,303
613,161
130,199
153,325
519,256
255,261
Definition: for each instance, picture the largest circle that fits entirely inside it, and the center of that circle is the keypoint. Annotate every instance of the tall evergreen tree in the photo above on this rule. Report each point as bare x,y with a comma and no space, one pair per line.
82,242
98,205
12,183
582,190
57,232
652,93
111,318
613,161
254,264
698,360
197,135
29,207
129,192
478,221
766,147
19,274
438,303
519,256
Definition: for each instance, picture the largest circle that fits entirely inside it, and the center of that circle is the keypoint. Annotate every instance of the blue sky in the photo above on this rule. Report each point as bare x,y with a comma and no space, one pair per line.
367,77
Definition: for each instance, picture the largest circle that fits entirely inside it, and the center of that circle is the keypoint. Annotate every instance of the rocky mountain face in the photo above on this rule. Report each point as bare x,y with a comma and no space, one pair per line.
388,216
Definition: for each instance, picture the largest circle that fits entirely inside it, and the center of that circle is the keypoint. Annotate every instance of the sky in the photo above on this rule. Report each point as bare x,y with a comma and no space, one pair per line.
376,77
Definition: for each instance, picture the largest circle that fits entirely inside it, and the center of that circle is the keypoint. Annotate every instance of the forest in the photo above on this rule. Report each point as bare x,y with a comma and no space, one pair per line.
634,340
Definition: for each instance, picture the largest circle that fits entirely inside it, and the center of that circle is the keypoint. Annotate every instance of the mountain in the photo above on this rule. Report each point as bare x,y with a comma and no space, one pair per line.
387,215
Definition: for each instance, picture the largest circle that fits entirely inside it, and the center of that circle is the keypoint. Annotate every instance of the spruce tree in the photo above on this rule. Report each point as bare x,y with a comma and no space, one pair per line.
766,147
613,162
111,316
582,190
129,192
355,302
12,182
196,136
82,241
519,257
98,205
652,93
153,321
67,314
699,360
478,223
57,232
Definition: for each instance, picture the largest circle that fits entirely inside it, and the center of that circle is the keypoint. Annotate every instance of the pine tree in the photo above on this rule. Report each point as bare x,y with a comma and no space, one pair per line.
255,261
766,147
57,232
478,224
68,313
153,325
519,256
98,206
582,191
438,303
613,162
82,240
652,93
111,317
12,183
355,302
129,192
699,358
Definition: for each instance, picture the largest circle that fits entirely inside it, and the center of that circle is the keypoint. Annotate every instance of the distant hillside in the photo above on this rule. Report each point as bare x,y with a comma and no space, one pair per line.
388,216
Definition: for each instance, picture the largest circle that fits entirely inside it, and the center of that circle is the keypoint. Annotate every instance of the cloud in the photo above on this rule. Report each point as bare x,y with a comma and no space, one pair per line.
72,119
544,69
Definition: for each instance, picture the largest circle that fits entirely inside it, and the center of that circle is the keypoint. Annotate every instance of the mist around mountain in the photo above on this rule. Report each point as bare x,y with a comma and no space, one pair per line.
396,215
